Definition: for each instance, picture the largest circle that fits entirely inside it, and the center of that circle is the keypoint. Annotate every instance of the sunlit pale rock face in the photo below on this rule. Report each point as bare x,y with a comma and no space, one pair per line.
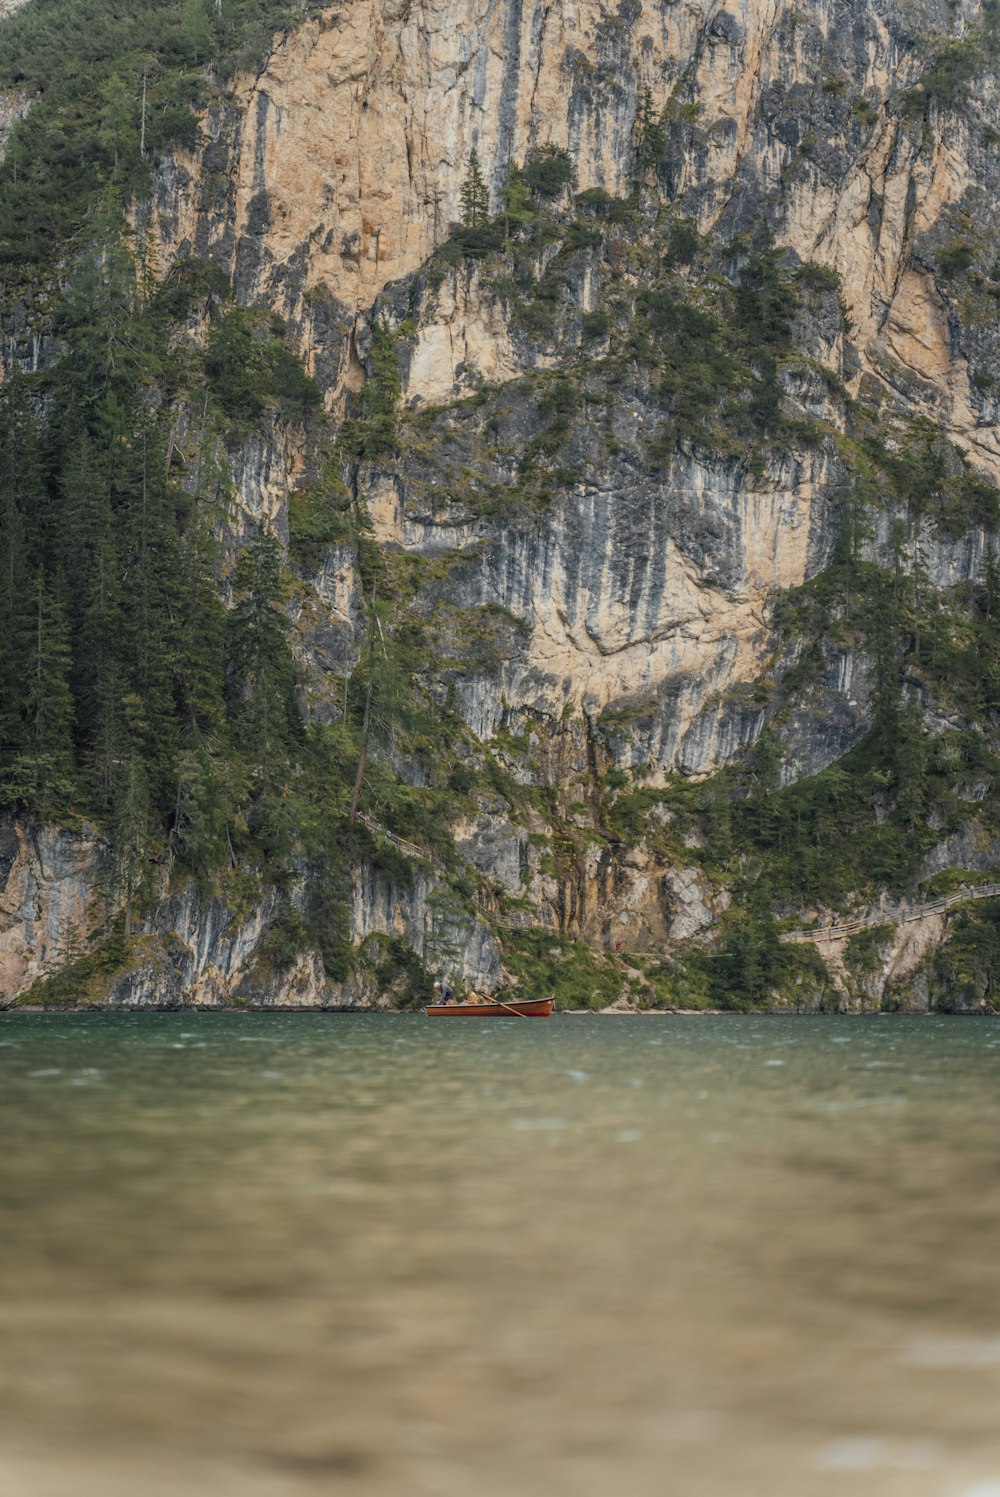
337,169
628,584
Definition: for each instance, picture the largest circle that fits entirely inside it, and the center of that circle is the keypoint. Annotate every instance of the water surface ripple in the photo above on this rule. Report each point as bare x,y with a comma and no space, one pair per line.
281,1254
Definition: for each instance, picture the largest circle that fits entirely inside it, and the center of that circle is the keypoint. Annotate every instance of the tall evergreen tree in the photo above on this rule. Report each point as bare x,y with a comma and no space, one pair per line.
261,684
475,195
116,132
199,636
198,30
48,701
43,770
20,495
131,819
516,200
650,135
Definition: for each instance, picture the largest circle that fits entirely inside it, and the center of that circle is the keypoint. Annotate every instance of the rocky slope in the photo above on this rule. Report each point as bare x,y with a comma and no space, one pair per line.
594,585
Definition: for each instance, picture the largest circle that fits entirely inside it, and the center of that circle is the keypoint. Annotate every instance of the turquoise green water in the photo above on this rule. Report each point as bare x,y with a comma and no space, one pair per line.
282,1254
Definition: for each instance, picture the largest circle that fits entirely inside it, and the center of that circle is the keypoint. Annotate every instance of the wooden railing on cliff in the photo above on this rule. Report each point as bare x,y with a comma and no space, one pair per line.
847,928
409,848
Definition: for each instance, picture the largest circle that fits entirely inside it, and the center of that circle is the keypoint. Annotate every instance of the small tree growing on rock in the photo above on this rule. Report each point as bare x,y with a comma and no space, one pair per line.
475,195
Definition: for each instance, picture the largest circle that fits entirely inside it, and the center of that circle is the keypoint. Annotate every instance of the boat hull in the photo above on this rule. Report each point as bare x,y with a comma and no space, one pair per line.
527,1008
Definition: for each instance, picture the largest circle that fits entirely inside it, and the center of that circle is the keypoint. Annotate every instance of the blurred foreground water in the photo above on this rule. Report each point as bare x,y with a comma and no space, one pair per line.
387,1256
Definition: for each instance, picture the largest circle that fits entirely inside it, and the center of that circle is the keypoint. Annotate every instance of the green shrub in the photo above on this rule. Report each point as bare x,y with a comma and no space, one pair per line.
317,518
283,942
683,242
84,979
955,258
964,971
571,972
476,242
548,171
813,276
248,370
596,324
863,952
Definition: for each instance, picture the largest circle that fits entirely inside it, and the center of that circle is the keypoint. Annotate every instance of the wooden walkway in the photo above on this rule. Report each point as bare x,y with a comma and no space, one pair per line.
847,928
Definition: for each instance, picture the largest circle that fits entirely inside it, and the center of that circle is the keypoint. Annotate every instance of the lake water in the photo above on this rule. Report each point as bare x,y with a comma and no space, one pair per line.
386,1257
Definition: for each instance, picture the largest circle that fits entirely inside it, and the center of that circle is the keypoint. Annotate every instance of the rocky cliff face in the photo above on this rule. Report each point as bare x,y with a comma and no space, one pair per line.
50,897
338,168
625,590
57,891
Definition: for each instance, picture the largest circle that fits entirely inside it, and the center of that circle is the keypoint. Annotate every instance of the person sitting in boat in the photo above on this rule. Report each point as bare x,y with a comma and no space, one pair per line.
444,992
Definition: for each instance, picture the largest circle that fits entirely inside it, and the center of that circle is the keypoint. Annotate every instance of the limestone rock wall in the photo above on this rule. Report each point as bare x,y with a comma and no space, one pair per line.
643,602
14,104
330,176
337,169
13,107
51,895
58,900
632,591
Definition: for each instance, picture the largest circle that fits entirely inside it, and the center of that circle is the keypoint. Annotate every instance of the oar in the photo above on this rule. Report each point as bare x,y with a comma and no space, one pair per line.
507,1006
499,1003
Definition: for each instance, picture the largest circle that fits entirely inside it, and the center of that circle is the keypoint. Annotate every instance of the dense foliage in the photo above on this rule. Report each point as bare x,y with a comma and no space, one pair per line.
113,85
128,693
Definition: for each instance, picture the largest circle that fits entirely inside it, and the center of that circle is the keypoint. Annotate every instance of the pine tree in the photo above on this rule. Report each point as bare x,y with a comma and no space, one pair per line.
44,769
385,704
909,762
90,558
516,200
650,135
150,561
261,676
988,587
475,195
200,636
368,715
765,302
131,822
375,432
20,495
47,700
116,132
203,811
198,31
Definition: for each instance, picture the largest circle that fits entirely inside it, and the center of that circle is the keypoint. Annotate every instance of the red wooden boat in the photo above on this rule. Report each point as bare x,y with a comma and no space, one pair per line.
527,1008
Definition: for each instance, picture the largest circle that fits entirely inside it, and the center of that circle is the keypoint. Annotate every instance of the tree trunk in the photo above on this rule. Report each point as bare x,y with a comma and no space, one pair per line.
366,725
359,778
